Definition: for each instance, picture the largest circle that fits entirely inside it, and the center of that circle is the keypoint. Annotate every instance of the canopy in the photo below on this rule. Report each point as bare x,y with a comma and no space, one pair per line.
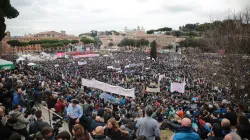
20,59
4,64
31,64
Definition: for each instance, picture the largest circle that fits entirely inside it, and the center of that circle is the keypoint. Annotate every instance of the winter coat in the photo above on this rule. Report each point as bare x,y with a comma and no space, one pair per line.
21,121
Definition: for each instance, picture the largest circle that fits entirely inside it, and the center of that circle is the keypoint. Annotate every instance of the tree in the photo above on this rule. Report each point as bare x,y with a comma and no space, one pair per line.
153,50
192,34
6,10
74,41
177,33
86,40
232,36
23,44
97,41
111,44
150,31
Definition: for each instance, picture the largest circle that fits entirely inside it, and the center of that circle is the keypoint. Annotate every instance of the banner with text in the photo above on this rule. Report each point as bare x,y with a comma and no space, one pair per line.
179,87
108,88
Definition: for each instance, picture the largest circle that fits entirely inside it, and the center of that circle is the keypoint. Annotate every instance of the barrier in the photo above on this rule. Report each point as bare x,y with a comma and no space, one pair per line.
108,88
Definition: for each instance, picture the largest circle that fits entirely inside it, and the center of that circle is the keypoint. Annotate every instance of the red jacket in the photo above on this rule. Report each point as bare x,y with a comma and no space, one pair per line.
59,106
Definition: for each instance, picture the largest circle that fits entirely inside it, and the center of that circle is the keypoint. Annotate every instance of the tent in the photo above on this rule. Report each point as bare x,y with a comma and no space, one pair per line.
20,59
31,64
4,64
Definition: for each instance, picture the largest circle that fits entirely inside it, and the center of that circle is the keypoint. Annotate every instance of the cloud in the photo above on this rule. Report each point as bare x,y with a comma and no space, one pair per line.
78,16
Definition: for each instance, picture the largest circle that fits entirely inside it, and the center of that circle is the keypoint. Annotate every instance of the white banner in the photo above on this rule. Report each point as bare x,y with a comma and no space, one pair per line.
179,87
82,63
86,55
108,88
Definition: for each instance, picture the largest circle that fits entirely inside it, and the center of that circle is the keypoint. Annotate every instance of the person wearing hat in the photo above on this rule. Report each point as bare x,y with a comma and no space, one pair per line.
74,112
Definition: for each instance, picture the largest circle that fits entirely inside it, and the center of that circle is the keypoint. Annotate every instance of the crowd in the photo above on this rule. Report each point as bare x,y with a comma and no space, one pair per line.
205,111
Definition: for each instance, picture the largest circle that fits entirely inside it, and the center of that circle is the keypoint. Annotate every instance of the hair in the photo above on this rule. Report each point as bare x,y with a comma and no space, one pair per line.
128,115
79,130
243,120
75,102
16,106
15,136
18,87
46,130
149,110
217,130
64,135
114,123
38,114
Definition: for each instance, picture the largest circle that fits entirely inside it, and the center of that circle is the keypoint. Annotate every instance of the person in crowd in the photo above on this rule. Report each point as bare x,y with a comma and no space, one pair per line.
75,112
216,132
80,133
225,124
18,98
15,136
231,116
127,119
21,125
232,136
213,118
97,122
112,130
64,135
100,110
243,127
186,132
38,94
98,134
60,105
5,128
37,125
45,134
147,126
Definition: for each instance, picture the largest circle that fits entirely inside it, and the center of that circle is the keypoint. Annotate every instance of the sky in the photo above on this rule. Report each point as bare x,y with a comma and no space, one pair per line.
81,16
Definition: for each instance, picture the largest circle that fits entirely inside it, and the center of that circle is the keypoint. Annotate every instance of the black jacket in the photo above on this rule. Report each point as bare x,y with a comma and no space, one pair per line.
100,137
215,138
37,126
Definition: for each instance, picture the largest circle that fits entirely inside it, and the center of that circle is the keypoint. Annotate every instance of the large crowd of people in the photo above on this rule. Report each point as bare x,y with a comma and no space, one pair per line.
205,110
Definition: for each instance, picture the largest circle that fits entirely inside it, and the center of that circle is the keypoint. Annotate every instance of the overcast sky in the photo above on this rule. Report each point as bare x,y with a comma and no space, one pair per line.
79,16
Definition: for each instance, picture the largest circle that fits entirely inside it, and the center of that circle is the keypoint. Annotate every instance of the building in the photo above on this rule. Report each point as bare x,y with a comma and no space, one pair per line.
5,48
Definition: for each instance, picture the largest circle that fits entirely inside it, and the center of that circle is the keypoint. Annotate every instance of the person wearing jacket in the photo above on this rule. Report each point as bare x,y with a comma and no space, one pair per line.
98,134
186,132
59,106
44,134
97,122
21,125
18,97
39,124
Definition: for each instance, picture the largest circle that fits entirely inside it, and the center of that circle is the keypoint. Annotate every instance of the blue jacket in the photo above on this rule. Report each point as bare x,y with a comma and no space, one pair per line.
186,133
16,100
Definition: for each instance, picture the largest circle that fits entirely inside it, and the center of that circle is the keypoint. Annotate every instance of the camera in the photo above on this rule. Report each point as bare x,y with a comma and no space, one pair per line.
56,127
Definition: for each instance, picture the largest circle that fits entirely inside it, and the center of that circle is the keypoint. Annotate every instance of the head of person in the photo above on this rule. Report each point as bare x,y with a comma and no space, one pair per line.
98,118
74,103
19,90
47,132
149,110
38,114
64,135
217,130
242,120
15,136
229,109
225,123
17,107
78,131
232,136
99,130
186,122
112,124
